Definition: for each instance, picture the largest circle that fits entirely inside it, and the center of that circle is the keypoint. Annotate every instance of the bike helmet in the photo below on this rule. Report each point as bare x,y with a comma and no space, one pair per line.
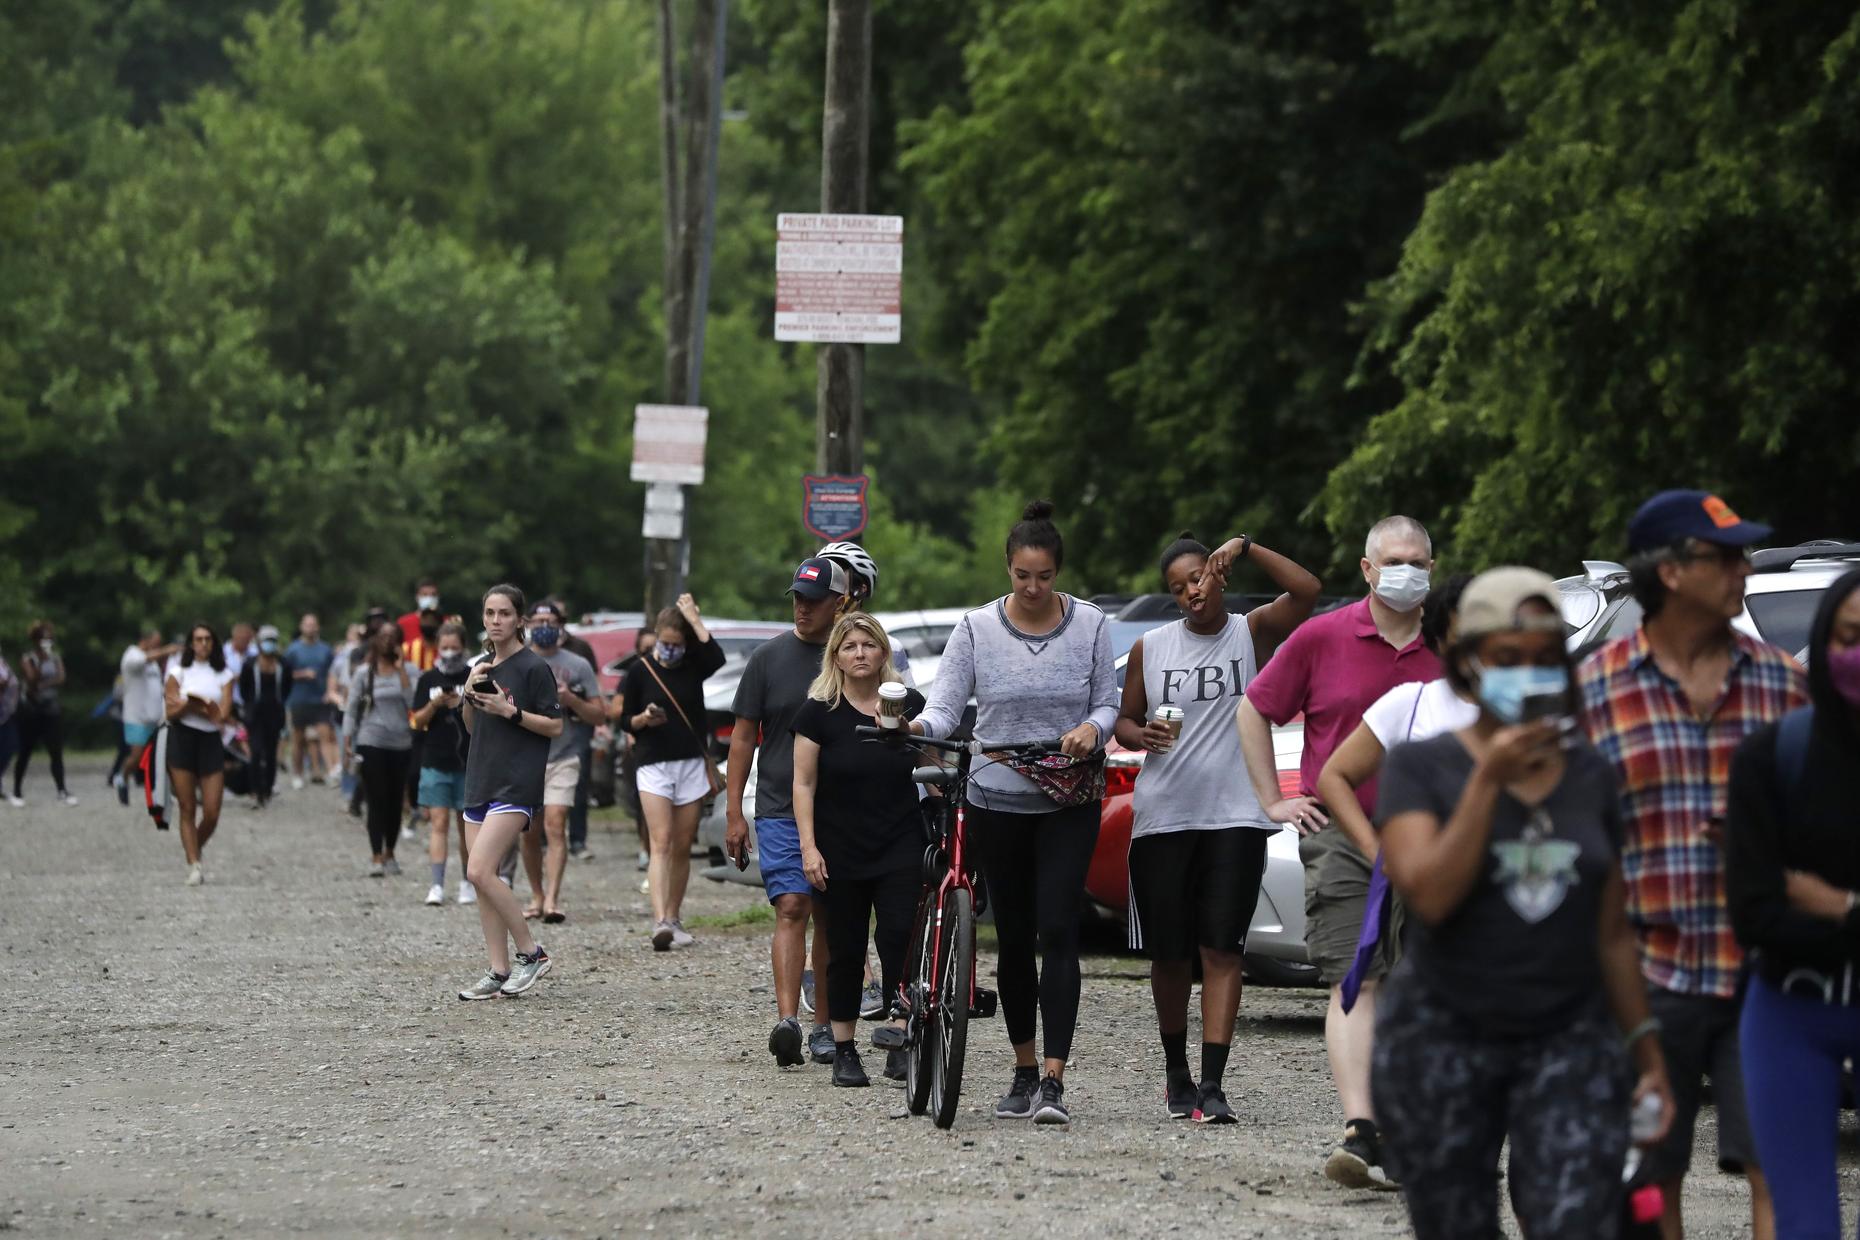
860,566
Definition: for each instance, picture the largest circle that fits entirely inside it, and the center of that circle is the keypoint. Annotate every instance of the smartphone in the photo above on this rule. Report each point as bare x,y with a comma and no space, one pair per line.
1539,707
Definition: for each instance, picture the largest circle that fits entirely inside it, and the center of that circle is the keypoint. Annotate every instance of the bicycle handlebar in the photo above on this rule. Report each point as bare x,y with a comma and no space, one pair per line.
975,748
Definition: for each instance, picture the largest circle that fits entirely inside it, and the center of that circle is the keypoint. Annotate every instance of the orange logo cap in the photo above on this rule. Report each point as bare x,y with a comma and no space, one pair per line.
1720,513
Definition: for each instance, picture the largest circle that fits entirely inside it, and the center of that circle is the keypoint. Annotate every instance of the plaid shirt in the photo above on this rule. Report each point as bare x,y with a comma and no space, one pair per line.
1673,767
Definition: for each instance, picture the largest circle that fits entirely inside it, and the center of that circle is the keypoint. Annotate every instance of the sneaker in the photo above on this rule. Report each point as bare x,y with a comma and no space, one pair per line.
1211,1106
1357,1163
848,1072
1180,1095
526,971
375,870
807,992
391,866
897,1061
645,859
65,798
1052,1108
408,831
820,1044
680,936
195,875
468,894
487,987
1017,1103
121,784
297,783
16,801
584,854
662,936
871,1002
785,1043
435,894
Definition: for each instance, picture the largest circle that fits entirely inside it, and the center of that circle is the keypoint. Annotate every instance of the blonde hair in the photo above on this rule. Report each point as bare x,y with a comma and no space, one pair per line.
830,685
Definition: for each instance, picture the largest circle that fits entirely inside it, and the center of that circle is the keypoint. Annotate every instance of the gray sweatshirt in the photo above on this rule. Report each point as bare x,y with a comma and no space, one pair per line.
1026,688
386,725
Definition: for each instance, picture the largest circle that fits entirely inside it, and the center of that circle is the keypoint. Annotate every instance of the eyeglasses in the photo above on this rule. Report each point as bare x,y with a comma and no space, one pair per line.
1707,553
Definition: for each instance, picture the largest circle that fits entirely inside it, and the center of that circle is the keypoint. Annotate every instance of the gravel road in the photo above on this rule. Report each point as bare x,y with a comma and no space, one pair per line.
280,1051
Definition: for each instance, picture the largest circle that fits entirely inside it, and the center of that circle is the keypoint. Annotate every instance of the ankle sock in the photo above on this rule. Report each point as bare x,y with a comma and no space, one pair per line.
849,1046
1175,1051
1213,1062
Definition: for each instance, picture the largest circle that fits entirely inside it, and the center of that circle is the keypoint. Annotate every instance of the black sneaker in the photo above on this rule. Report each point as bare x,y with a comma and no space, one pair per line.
1357,1163
1017,1103
897,1065
1052,1108
785,1043
1211,1106
820,1044
1179,1095
847,1070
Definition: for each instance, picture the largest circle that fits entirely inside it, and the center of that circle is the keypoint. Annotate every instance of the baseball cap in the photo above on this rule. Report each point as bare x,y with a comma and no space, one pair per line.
546,606
267,632
1674,516
820,578
1491,601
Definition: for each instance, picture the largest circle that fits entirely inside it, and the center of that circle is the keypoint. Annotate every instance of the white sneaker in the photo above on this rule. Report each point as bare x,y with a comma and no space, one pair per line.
195,875
17,802
645,859
65,798
435,894
468,894
297,783
407,834
680,936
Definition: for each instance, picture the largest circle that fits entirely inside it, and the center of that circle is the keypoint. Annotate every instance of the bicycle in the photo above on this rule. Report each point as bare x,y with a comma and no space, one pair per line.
938,993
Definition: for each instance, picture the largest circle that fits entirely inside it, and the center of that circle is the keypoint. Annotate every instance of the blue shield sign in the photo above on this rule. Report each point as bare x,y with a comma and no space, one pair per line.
833,505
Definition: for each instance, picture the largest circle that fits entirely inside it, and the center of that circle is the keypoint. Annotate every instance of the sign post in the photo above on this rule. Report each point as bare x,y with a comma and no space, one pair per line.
668,452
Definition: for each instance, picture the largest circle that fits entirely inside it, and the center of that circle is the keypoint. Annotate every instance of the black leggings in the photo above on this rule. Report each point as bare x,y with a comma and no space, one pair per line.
1035,865
40,727
263,731
850,903
384,785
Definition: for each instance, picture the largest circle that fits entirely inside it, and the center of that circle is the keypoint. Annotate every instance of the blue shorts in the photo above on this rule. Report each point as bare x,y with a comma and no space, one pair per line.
778,853
441,789
476,814
139,733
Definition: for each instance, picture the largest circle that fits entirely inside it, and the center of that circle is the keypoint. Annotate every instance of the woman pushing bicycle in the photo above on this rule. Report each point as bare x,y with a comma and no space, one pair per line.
1038,664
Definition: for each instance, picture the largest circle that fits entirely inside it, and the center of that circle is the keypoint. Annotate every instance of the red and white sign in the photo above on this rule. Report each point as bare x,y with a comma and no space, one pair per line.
668,443
839,279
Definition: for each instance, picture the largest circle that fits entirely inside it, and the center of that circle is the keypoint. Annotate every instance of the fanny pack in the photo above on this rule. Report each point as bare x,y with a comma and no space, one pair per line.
1065,781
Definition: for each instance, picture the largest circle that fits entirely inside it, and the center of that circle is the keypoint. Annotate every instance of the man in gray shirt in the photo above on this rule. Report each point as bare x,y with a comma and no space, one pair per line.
580,695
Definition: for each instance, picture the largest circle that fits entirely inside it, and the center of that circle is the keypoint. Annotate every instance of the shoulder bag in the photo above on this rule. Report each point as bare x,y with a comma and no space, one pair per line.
710,763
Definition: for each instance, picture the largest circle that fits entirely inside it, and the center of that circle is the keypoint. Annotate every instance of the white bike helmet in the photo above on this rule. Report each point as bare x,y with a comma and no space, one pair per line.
854,559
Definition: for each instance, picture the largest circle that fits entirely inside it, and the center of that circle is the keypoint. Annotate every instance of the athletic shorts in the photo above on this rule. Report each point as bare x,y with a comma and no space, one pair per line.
1336,900
559,780
1191,889
441,789
312,715
139,733
476,814
681,782
778,853
1699,1036
195,751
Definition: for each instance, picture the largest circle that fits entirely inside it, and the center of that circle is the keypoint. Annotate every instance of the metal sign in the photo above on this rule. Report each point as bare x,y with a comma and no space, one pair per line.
668,443
833,506
665,511
839,279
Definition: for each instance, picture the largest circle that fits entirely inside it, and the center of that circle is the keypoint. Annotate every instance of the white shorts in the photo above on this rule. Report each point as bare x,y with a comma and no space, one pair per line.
559,780
680,782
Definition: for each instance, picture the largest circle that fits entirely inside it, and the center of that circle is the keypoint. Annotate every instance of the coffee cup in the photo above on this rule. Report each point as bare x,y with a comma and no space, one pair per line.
1170,717
891,697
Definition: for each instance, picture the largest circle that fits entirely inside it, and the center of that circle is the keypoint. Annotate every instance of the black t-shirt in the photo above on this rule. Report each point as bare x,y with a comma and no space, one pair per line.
506,760
264,692
671,741
866,820
1519,954
446,740
772,690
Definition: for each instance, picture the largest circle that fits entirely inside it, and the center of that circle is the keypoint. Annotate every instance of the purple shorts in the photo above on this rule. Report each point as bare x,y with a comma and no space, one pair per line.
476,814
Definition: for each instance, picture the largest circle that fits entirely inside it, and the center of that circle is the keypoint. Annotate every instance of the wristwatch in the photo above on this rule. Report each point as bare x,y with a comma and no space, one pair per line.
1246,545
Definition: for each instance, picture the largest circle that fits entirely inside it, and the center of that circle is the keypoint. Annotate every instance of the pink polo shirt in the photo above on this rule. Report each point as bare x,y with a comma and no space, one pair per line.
1333,668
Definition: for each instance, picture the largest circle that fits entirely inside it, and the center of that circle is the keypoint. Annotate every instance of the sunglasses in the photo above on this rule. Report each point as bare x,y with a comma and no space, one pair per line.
1708,553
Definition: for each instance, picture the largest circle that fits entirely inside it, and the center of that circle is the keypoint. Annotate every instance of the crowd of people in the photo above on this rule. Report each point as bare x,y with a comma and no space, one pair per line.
1550,901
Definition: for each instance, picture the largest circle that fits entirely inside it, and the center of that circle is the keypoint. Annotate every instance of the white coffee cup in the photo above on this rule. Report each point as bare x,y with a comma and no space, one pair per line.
891,697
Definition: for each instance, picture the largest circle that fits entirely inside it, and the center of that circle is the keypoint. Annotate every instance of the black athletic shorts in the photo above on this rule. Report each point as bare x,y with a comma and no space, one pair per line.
1191,889
195,751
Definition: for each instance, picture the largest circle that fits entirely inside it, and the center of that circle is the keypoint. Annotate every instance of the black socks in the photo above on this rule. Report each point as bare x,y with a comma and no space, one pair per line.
846,1046
1175,1051
1213,1062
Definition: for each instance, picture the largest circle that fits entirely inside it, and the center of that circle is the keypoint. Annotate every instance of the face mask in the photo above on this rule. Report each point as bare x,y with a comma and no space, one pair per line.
1402,586
668,654
450,664
1503,690
46,645
427,602
268,647
1844,671
545,634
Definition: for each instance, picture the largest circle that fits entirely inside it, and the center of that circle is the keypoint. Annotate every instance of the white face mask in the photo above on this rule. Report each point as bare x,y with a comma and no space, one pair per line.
427,602
45,644
1402,586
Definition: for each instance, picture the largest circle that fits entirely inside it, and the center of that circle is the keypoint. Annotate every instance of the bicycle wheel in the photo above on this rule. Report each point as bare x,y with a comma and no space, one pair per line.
918,986
949,1026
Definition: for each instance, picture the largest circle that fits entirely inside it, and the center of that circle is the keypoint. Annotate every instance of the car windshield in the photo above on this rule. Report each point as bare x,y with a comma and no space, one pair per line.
1785,617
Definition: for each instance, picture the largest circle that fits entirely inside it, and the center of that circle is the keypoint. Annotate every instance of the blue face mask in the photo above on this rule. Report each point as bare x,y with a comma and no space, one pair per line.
668,654
545,634
268,647
1503,690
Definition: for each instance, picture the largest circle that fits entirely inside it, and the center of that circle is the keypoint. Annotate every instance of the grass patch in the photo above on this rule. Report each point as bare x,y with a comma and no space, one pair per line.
748,915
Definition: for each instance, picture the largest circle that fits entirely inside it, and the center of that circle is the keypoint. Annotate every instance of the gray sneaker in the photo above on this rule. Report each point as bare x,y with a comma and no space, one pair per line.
681,937
872,1002
391,866
486,987
820,1044
525,971
1018,1101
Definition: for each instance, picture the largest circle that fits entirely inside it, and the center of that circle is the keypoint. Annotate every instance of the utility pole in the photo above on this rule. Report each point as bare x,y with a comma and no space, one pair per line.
690,185
844,140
